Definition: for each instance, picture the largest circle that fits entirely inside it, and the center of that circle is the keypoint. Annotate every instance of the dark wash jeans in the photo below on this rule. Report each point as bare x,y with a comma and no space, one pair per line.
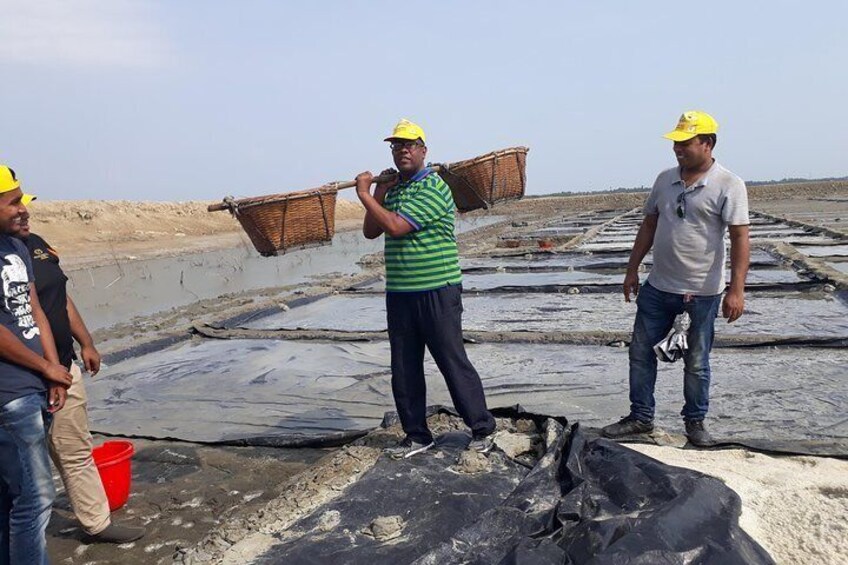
432,318
26,482
654,318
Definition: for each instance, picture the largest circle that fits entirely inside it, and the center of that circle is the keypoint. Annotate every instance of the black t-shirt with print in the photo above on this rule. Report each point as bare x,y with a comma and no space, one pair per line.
16,316
50,285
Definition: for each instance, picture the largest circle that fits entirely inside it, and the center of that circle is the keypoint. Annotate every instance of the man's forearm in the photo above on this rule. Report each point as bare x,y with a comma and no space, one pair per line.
78,328
370,228
47,342
740,257
384,220
15,352
643,243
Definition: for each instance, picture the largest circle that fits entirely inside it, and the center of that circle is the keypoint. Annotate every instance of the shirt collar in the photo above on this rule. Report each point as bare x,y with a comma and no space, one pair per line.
419,175
700,182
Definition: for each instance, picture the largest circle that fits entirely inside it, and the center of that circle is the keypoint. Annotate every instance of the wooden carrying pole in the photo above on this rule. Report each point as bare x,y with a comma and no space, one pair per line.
221,206
278,223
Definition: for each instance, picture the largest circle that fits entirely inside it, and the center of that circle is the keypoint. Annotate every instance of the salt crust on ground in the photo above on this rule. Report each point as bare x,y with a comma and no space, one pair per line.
795,507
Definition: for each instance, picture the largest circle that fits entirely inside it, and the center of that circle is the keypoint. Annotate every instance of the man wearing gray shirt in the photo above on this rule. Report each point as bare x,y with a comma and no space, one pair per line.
686,216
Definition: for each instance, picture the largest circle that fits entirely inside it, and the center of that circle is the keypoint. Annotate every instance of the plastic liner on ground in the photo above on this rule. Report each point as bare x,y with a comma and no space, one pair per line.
785,314
269,392
587,500
584,261
555,282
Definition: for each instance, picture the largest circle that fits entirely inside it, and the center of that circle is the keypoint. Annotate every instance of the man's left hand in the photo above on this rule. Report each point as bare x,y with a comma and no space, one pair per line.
90,359
56,397
733,305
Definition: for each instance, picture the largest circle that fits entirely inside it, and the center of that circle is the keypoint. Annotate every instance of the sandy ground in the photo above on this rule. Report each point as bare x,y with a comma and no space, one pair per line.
794,506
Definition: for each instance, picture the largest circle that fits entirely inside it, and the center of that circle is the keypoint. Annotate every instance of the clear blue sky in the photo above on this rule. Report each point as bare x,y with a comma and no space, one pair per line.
168,100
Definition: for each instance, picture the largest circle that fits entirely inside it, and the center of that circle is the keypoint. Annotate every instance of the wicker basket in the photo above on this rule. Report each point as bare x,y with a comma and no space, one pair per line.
282,222
485,180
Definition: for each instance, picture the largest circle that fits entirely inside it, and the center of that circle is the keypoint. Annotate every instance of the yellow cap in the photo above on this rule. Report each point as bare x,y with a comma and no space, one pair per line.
692,123
9,182
407,130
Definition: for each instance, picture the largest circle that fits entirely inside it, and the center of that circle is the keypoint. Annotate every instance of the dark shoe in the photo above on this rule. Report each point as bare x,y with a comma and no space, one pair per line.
698,434
627,426
115,533
482,445
407,448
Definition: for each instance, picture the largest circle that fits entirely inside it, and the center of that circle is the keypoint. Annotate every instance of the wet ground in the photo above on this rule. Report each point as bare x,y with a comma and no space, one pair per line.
535,288
180,492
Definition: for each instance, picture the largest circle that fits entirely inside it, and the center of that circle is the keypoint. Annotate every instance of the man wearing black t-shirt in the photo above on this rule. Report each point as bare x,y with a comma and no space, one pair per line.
70,438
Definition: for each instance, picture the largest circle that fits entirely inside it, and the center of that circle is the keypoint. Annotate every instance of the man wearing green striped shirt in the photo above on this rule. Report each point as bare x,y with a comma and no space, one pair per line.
423,291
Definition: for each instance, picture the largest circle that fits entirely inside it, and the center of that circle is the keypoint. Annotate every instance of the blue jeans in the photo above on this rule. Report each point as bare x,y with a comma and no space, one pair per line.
654,319
26,483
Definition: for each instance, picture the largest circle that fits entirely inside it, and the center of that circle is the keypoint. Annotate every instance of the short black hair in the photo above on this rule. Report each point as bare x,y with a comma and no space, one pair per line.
710,138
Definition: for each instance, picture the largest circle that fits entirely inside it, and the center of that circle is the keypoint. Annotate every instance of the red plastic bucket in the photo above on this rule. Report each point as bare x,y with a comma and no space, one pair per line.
114,463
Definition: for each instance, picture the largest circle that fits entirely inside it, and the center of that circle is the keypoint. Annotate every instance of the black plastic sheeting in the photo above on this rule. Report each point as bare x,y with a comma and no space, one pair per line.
823,250
270,392
584,261
807,314
586,501
554,282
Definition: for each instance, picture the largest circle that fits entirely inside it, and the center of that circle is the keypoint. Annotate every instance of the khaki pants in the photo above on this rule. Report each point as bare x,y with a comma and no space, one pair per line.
70,448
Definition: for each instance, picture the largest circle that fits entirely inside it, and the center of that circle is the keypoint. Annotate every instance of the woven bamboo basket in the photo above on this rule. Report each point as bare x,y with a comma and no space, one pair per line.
283,222
483,181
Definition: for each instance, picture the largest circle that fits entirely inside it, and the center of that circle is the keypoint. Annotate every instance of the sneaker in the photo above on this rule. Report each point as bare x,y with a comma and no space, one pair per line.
627,426
115,533
698,434
482,444
407,448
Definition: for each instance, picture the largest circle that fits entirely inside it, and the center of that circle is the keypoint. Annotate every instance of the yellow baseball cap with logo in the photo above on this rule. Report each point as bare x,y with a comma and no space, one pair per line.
692,123
407,130
9,182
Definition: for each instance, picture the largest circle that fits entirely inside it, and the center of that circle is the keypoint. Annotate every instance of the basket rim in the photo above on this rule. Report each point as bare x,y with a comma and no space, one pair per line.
326,190
482,158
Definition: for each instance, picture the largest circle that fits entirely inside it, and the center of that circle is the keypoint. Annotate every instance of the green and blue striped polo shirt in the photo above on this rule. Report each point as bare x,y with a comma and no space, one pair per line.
426,258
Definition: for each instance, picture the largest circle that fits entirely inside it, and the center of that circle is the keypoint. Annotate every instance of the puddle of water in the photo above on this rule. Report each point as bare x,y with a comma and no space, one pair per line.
211,390
823,250
473,282
841,267
585,261
116,293
783,314
810,240
468,223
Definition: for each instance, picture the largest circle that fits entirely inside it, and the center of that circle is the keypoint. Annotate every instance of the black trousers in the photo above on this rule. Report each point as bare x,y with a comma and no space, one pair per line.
433,319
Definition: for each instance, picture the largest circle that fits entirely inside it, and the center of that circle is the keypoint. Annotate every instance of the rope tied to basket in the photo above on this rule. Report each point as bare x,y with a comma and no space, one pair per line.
232,205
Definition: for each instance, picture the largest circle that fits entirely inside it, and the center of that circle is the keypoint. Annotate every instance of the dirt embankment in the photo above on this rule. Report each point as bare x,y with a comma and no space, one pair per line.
97,231
90,232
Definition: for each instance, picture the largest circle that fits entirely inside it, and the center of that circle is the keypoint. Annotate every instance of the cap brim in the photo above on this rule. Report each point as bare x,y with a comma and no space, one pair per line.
404,136
27,198
679,135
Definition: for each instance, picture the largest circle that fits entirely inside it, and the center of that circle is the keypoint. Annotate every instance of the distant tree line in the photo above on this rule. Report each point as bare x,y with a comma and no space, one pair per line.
793,181
623,190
